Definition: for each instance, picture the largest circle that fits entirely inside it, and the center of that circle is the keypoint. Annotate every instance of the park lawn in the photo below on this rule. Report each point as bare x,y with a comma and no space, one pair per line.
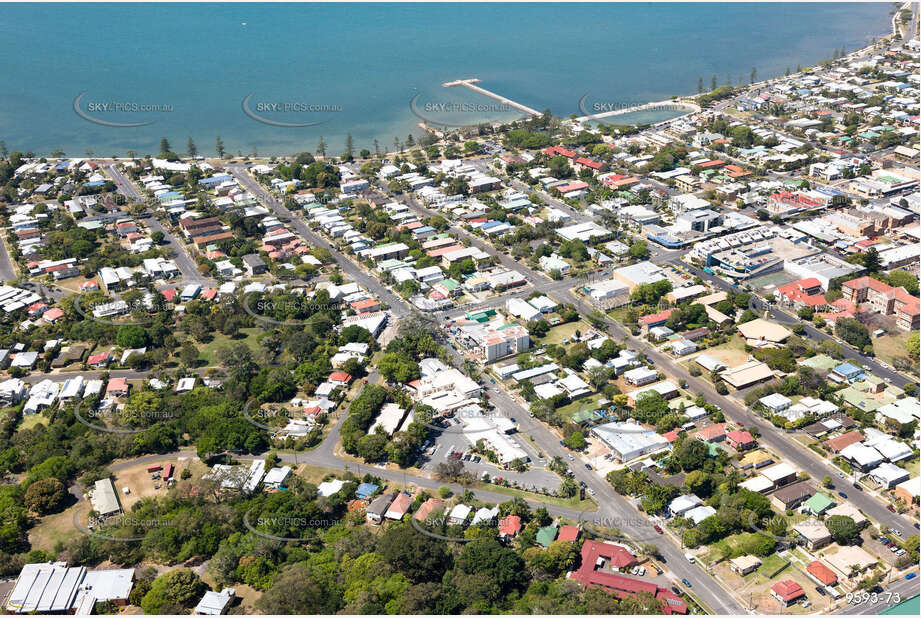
890,347
208,351
572,503
564,331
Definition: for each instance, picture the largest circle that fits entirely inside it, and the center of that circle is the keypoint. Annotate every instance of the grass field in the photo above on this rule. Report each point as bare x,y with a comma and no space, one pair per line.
732,352
890,347
771,564
572,503
208,351
587,403
31,420
564,331
52,529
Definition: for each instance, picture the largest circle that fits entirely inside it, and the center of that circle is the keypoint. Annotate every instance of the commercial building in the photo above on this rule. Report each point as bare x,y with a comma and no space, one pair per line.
598,561
628,441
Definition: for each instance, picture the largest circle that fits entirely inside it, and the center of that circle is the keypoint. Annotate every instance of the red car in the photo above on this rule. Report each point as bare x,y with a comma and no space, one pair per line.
889,507
657,529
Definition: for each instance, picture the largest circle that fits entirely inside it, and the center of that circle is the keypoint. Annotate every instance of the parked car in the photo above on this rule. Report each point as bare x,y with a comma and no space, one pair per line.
588,467
842,494
658,529
890,508
911,576
685,581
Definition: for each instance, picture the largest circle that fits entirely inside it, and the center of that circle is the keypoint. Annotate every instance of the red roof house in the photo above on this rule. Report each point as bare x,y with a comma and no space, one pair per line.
713,433
509,526
568,533
740,440
340,377
822,573
787,591
596,556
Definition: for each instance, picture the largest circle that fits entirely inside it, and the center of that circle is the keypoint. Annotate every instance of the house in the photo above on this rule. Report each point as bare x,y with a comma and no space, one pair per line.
790,497
459,515
274,478
427,508
908,491
254,264
743,565
375,511
546,535
509,526
817,504
848,510
888,474
780,474
713,433
215,603
839,443
851,558
117,387
740,440
568,533
818,572
597,568
104,498
682,504
787,592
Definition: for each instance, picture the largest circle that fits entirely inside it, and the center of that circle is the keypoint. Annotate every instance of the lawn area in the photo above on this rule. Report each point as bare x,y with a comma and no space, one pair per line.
771,564
890,347
208,351
54,528
32,420
314,474
572,503
564,331
584,403
732,352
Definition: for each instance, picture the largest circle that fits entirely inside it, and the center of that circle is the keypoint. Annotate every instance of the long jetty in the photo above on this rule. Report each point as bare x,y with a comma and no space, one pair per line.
471,83
691,107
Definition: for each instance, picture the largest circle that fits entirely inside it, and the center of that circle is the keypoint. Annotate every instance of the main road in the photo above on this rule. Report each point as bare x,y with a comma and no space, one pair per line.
184,261
397,307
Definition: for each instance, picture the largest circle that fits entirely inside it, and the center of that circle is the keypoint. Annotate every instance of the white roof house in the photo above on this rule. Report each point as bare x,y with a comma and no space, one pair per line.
775,402
700,513
778,472
328,488
215,603
861,454
104,498
682,504
459,514
710,363
888,475
276,477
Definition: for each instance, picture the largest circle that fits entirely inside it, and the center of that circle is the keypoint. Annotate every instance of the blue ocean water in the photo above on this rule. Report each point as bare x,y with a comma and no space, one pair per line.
354,68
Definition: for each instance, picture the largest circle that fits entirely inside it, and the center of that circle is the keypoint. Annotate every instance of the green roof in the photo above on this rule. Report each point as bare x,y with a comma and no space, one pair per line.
546,535
481,316
821,361
909,607
819,503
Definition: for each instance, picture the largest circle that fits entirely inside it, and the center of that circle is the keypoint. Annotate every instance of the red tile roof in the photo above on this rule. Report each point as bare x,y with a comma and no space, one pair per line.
656,318
740,437
822,573
845,440
510,525
788,590
712,432
340,376
568,533
623,587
